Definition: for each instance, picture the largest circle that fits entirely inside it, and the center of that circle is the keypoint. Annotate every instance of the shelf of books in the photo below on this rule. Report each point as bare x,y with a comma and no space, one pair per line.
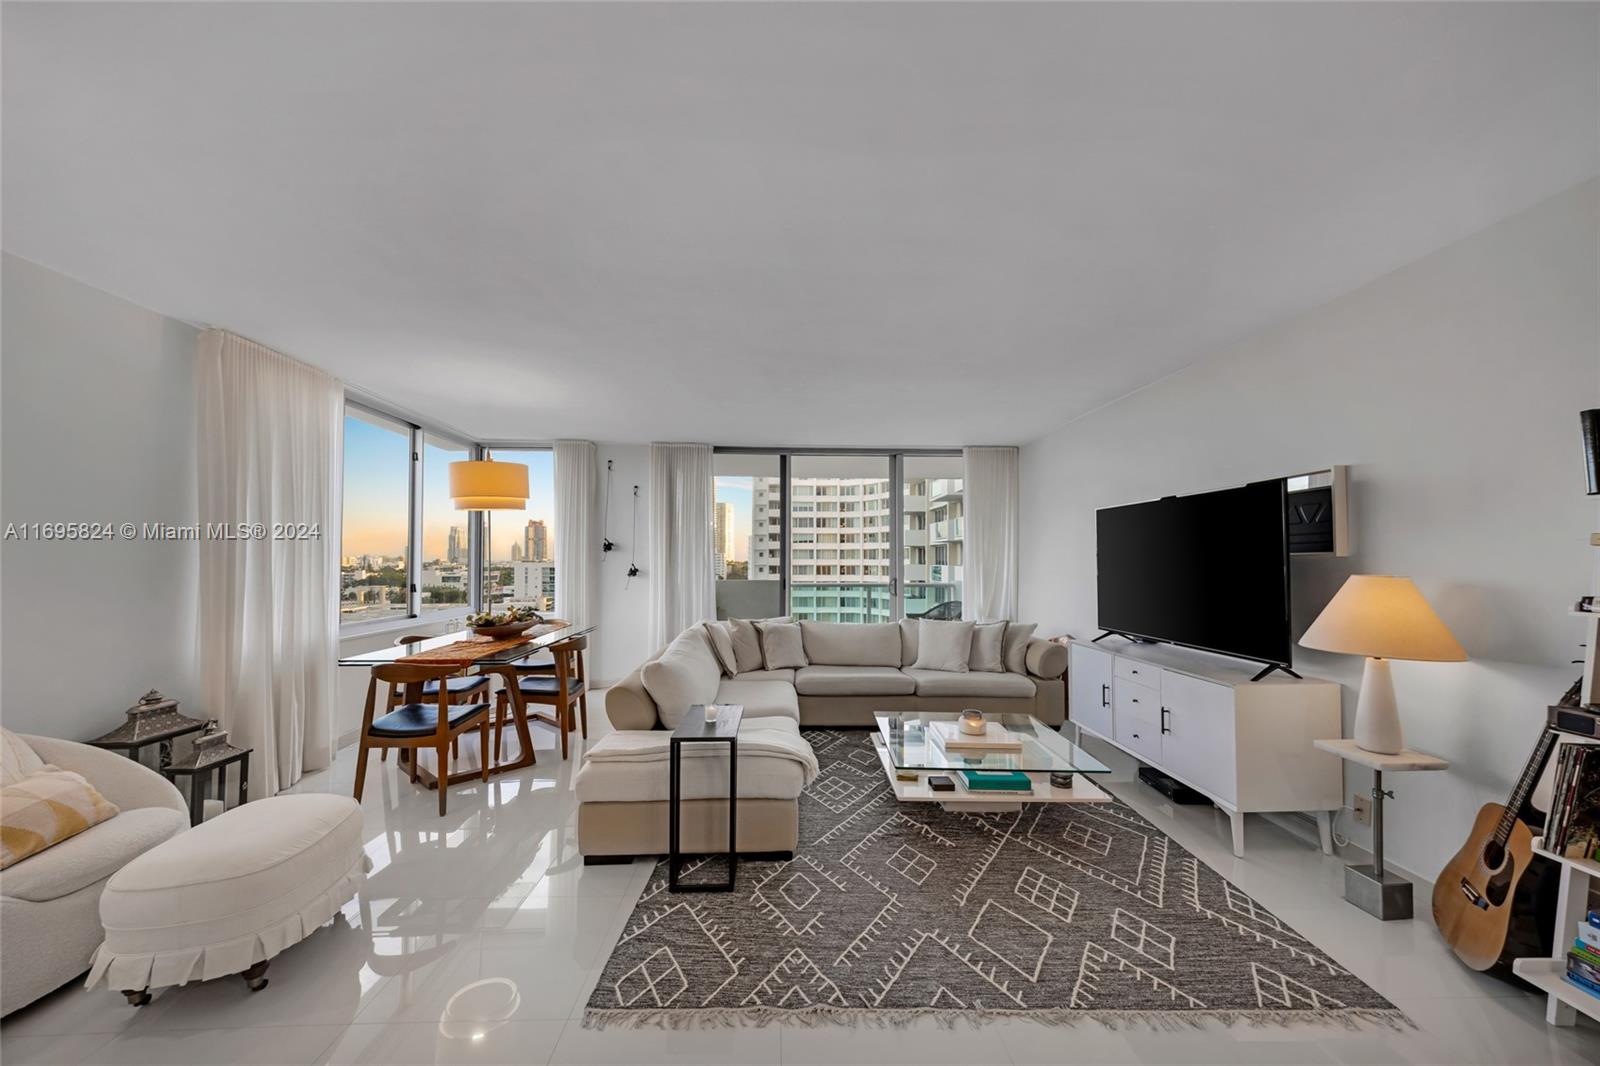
1572,978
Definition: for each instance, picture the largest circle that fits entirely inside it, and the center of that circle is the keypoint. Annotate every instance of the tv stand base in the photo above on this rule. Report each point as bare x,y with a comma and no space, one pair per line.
1268,669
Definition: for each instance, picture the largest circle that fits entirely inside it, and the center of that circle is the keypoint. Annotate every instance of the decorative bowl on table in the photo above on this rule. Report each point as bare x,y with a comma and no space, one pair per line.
504,625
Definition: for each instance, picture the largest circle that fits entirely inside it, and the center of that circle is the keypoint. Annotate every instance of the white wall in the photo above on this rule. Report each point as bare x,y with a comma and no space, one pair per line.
623,641
96,425
1452,386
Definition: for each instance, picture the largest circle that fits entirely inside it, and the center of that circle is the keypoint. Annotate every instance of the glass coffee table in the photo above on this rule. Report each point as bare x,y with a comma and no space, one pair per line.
913,742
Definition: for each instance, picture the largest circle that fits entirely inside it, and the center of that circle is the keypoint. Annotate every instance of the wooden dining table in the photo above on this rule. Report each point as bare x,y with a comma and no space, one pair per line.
485,655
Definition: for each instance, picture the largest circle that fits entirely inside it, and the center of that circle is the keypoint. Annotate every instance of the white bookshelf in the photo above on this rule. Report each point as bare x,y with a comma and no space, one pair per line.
1566,1000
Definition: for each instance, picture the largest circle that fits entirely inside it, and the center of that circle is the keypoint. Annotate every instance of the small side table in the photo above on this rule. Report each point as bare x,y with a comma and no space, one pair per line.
1369,886
197,767
697,729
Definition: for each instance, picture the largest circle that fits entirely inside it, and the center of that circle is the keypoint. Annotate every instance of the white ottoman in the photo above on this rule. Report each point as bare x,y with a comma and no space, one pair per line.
229,894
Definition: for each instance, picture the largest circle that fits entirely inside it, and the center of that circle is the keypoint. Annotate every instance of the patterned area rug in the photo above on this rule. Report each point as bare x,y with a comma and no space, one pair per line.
889,911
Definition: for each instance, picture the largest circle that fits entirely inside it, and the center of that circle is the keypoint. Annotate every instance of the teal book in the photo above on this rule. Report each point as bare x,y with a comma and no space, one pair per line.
997,780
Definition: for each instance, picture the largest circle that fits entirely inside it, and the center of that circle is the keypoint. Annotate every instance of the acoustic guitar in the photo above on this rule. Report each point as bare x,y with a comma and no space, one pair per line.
1474,896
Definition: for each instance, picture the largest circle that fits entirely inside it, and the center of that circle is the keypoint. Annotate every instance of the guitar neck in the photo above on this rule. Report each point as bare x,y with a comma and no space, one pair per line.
1525,785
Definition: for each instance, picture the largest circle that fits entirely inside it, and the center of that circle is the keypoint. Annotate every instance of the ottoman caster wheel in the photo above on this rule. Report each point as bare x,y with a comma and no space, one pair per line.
255,978
137,997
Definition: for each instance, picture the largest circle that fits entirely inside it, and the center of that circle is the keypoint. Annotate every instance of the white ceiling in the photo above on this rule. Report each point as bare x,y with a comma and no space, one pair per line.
819,224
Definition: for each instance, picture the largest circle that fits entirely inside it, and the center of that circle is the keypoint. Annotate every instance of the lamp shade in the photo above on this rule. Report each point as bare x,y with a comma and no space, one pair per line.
485,485
1382,618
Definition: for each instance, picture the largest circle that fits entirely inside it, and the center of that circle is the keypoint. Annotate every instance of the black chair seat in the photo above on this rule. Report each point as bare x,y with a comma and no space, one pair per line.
535,666
420,719
546,686
456,685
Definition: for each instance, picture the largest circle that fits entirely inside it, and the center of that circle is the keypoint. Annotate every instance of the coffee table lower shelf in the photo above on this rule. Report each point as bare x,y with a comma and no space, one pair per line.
1083,790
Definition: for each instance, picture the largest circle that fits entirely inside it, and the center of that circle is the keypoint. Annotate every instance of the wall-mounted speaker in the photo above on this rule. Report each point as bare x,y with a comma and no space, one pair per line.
1591,447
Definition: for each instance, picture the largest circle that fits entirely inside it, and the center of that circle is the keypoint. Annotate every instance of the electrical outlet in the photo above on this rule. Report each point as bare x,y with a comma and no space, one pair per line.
1362,805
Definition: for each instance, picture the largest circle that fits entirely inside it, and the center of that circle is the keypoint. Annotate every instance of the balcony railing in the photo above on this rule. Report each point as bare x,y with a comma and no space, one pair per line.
948,530
944,488
836,601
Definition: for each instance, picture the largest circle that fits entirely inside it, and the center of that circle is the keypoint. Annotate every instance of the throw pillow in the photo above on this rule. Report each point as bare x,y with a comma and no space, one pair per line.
17,759
988,644
45,808
909,628
1016,645
782,646
944,646
682,676
721,640
747,641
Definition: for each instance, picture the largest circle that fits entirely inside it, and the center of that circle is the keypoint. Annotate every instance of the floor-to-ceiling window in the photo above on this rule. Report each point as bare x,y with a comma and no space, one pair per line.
838,536
445,558
520,546
747,535
932,533
375,545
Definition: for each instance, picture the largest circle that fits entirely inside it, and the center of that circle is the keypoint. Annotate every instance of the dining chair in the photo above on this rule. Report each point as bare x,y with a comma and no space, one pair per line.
565,688
415,726
460,687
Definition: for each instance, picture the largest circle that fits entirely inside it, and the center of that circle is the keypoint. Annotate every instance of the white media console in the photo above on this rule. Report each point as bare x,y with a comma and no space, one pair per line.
1246,745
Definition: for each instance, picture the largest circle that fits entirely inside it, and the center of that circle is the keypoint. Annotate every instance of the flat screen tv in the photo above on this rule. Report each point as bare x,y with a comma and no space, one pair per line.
1207,571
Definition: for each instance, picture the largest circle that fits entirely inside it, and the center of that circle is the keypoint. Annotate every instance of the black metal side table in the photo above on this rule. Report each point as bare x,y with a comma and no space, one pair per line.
697,729
198,765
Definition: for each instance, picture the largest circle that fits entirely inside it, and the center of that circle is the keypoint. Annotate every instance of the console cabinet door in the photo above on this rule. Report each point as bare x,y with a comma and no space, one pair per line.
1198,742
1089,689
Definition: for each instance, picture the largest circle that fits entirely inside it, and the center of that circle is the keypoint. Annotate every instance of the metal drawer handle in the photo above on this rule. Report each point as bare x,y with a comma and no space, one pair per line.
1104,698
1164,712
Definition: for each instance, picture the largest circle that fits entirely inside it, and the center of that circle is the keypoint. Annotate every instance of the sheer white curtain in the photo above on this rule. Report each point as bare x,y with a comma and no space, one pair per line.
993,537
271,443
683,587
577,530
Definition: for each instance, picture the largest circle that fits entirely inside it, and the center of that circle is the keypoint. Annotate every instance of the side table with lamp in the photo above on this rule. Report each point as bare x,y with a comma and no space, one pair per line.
1382,618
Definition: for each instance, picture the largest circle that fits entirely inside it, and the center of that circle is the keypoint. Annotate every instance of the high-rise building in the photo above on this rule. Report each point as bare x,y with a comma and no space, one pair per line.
516,551
456,546
840,540
721,538
536,546
534,584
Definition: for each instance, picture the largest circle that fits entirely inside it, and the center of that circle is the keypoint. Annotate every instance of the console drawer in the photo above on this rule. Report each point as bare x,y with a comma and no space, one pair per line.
1138,720
1138,672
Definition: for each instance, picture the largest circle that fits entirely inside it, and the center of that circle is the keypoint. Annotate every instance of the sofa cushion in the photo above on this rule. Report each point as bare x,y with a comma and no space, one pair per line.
766,675
851,643
1016,646
93,855
720,638
853,681
761,699
747,641
703,774
782,647
977,683
909,628
988,647
1047,659
682,676
943,646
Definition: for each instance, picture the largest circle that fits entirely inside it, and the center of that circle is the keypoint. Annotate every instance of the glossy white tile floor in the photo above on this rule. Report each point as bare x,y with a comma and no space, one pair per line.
481,934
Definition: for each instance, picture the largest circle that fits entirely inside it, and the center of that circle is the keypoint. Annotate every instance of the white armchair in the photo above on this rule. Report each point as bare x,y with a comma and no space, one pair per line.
50,902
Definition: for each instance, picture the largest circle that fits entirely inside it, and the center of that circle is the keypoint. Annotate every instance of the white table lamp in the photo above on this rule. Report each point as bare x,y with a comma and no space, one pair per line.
1382,618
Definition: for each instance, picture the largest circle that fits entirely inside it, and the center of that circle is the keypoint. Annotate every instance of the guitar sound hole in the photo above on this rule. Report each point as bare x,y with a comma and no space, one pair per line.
1494,854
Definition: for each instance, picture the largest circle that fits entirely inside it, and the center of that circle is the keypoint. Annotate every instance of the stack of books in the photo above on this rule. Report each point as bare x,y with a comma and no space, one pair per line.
1573,828
1583,957
997,782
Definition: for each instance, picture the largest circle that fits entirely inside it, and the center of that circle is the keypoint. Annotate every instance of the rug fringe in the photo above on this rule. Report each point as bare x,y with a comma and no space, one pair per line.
1353,1018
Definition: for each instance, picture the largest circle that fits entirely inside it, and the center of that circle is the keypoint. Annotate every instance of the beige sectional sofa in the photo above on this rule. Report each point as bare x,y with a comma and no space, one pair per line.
851,671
